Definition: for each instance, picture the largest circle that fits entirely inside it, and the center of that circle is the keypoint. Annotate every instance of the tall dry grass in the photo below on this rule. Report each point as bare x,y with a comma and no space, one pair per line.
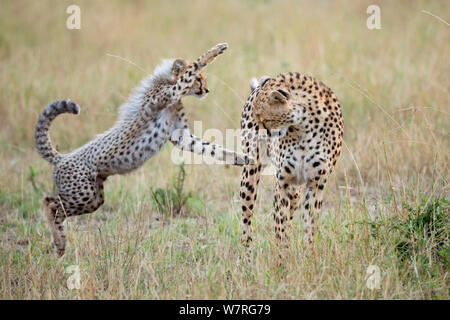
393,85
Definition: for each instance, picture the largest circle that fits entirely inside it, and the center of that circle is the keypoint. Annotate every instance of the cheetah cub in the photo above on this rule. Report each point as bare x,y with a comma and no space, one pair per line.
153,115
300,121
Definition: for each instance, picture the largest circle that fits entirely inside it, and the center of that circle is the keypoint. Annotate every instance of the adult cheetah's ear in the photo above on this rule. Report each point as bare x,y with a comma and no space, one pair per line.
279,96
178,67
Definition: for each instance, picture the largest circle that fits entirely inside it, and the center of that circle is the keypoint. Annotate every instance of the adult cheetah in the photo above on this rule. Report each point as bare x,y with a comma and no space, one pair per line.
153,115
300,121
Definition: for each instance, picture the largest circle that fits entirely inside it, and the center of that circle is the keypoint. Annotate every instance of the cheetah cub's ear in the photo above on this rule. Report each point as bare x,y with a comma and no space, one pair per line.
279,96
178,67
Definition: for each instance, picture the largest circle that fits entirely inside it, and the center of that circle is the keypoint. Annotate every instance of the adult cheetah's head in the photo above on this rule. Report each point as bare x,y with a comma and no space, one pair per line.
274,108
200,87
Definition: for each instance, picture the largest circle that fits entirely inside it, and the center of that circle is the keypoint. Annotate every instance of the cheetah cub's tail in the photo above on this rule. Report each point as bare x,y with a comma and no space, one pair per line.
42,136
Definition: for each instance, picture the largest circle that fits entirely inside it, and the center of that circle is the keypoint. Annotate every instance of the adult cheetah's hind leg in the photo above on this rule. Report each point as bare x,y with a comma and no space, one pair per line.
282,216
55,217
294,194
249,184
286,202
311,207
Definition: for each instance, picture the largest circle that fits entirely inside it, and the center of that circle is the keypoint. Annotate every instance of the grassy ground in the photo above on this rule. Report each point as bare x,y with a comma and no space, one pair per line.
392,176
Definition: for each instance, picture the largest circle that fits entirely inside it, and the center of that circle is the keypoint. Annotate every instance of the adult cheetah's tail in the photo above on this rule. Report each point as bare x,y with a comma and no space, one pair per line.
42,136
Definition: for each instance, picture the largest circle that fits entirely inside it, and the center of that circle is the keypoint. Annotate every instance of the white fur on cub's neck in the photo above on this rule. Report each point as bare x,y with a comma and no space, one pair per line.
131,108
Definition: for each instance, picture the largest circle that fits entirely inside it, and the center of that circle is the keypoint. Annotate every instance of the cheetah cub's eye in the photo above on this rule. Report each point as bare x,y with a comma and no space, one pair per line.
200,89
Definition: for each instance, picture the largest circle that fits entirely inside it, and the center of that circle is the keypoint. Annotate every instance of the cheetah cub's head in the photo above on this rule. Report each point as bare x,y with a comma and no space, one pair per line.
199,88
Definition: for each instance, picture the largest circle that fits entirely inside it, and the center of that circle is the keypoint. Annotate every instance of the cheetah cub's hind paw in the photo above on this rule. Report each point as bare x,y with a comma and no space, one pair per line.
57,229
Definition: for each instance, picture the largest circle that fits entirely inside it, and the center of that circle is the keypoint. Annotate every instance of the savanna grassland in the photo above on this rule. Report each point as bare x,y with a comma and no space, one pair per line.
386,204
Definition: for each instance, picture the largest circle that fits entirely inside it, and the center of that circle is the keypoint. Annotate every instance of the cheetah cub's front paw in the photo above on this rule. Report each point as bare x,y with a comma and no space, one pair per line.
244,160
249,160
221,47
212,54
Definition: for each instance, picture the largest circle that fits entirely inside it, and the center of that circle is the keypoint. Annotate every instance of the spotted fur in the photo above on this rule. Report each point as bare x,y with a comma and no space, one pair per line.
152,116
300,121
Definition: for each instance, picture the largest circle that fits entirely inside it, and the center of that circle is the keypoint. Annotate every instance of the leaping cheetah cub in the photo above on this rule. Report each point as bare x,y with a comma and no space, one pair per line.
152,116
300,120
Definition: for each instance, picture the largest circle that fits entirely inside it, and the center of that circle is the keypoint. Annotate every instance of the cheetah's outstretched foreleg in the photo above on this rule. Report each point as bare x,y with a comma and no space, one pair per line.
185,140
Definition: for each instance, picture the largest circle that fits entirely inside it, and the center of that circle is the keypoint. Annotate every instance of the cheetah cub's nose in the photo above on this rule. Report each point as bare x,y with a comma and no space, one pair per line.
206,90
